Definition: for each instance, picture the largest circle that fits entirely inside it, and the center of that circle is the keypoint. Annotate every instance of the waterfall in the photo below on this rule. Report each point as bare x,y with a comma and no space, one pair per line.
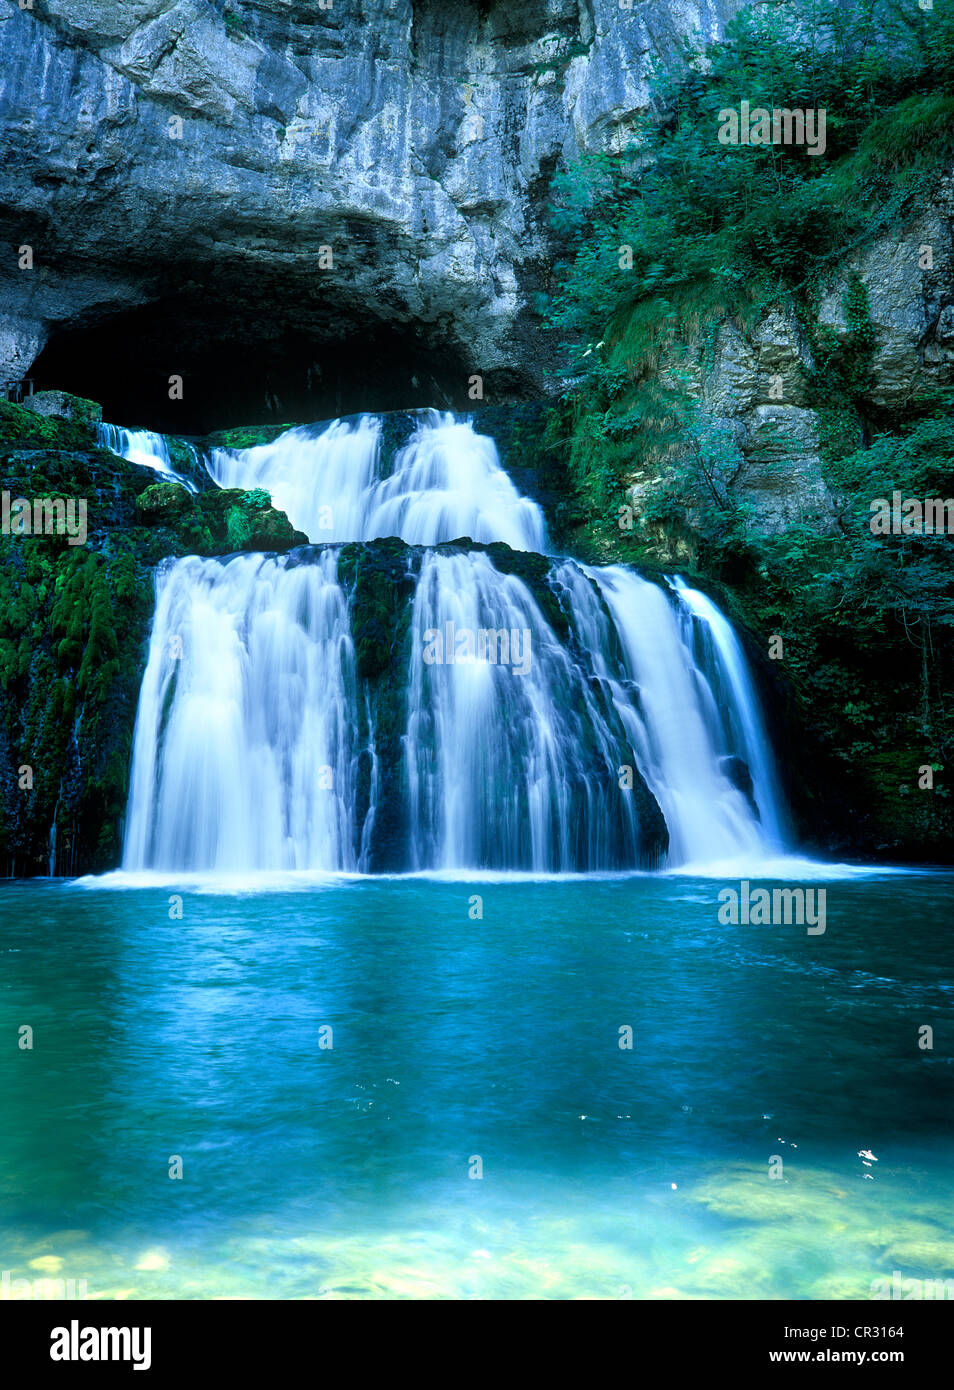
511,762
144,447
445,483
552,716
685,742
733,706
245,752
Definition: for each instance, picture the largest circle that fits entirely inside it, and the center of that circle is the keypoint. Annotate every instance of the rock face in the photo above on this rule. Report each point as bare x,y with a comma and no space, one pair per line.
910,286
60,405
762,420
177,167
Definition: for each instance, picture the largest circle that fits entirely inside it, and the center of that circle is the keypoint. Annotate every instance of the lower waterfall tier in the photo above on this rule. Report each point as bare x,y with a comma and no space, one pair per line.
380,707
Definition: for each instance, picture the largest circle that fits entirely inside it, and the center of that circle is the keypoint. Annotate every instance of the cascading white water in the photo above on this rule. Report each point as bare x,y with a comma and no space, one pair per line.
511,761
681,743
144,447
245,750
445,483
733,705
320,480
523,747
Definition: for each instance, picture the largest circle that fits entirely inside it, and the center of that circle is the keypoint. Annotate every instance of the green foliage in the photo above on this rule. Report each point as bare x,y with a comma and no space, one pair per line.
677,232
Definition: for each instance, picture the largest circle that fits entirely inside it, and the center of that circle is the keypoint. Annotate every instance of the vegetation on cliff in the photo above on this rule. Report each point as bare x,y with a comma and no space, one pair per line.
679,234
74,622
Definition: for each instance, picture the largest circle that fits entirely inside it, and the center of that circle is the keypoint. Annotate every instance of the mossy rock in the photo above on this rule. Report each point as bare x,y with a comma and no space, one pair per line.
381,585
238,520
28,428
161,502
74,625
379,576
60,405
187,462
244,436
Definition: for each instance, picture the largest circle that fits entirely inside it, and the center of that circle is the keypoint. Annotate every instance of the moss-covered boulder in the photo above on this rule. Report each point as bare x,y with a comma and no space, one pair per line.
60,405
25,428
238,520
244,436
162,502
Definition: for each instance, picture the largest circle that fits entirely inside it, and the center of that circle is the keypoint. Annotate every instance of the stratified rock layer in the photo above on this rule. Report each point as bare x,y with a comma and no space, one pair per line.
186,163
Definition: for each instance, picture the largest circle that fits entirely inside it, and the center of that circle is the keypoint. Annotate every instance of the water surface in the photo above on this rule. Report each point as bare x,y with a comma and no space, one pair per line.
344,1172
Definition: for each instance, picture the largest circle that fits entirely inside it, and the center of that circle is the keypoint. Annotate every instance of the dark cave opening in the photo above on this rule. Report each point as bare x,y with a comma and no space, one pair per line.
234,374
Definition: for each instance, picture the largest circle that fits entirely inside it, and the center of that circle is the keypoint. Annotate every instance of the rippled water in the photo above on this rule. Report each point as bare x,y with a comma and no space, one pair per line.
343,1172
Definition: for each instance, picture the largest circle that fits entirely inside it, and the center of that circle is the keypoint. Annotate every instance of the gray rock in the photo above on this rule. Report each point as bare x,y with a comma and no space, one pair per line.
782,476
753,391
910,283
415,139
59,405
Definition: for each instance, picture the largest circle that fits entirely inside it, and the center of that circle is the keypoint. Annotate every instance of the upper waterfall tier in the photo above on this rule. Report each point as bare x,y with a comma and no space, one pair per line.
333,484
144,447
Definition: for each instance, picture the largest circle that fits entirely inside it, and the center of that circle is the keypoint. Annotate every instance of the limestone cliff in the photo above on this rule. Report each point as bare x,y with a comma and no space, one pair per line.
184,162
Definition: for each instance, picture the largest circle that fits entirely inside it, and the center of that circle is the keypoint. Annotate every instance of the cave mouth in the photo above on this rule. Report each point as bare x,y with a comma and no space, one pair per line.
234,373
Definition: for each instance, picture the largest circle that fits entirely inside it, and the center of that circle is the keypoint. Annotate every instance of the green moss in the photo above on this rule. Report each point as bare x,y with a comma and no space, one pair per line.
28,430
162,501
74,624
244,436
